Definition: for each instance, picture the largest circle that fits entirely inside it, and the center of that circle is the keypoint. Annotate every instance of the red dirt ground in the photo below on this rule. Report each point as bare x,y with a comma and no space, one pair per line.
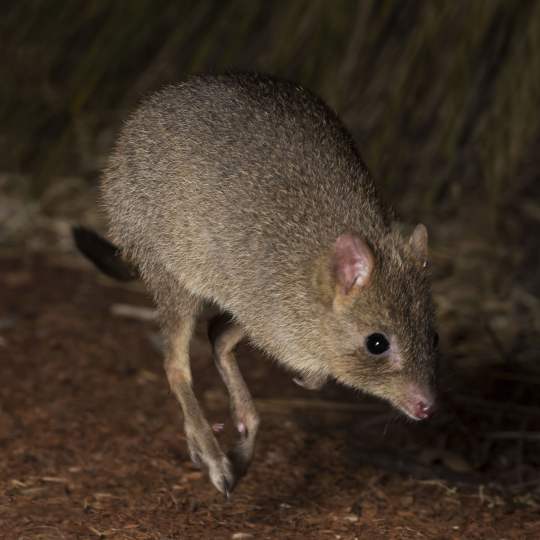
91,443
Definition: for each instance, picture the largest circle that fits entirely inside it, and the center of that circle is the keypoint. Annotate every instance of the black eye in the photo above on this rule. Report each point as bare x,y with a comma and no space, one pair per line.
435,340
377,344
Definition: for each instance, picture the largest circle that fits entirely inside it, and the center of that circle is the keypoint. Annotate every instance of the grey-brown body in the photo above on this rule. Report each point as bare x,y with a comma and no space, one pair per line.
247,192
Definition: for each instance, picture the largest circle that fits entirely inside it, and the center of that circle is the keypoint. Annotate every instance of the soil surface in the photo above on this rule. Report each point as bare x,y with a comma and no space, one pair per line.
91,441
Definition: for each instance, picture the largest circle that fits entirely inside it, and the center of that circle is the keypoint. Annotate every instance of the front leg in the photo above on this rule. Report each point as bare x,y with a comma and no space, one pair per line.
225,335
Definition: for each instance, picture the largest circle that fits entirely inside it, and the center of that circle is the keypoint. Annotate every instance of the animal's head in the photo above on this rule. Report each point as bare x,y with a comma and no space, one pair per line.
381,329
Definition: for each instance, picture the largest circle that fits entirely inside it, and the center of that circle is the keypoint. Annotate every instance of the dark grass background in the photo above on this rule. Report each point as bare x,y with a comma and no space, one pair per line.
442,97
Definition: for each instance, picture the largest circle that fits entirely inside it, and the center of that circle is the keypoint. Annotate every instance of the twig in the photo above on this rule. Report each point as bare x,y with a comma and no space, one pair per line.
491,406
139,313
520,486
398,462
515,435
439,483
525,377
277,405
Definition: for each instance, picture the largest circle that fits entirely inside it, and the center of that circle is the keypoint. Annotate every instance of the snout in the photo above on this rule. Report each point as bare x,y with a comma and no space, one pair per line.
420,410
417,404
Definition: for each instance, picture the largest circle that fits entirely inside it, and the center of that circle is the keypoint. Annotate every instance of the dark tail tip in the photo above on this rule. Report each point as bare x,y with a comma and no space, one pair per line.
105,256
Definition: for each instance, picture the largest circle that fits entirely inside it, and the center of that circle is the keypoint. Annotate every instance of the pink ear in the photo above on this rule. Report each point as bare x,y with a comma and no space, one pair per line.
353,262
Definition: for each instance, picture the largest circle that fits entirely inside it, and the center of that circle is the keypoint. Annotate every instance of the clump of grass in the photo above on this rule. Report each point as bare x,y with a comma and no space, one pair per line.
441,96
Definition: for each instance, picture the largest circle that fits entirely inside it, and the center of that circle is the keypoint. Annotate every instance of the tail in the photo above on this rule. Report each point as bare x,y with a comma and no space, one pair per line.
105,256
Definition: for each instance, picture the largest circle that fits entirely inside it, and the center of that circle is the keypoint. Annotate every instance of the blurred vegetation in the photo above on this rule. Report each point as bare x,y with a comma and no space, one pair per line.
442,97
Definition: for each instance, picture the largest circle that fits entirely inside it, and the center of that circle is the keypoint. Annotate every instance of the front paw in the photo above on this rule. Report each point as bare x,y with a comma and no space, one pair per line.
311,381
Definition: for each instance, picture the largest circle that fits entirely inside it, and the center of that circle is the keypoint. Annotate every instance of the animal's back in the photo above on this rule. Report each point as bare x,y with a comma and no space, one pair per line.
235,184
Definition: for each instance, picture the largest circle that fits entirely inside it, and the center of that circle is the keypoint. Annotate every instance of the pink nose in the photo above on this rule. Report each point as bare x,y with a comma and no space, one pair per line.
423,410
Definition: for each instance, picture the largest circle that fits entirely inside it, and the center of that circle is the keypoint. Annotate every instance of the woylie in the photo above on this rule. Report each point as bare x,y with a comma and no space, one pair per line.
247,192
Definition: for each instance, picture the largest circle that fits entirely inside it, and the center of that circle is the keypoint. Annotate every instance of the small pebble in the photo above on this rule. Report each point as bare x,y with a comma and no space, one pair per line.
407,500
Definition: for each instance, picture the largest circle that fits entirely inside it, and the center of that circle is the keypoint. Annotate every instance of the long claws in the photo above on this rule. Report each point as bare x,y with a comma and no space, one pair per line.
227,490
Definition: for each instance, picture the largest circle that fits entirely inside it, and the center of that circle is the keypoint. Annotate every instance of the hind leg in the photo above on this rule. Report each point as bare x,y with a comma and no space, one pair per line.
203,447
225,335
178,310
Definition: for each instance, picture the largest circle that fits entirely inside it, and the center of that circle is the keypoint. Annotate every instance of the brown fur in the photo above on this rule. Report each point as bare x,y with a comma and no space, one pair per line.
233,190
